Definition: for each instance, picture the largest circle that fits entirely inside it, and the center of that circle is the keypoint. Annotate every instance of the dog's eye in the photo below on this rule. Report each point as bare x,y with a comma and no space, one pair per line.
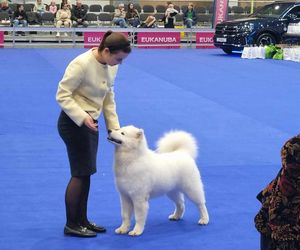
122,133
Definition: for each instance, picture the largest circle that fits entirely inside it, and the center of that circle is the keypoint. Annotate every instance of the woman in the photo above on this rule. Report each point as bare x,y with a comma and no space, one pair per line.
53,7
39,8
132,16
169,18
20,18
278,220
84,92
63,17
190,17
119,16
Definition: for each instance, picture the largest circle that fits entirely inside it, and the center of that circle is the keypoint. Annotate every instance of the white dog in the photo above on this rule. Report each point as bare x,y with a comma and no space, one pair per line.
141,174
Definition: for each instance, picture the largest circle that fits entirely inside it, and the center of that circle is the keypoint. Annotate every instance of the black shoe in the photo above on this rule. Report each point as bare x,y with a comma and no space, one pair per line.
79,232
95,228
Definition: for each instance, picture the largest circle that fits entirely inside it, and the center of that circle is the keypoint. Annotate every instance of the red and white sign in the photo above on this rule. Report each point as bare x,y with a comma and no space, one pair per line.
1,39
220,11
158,40
204,40
93,39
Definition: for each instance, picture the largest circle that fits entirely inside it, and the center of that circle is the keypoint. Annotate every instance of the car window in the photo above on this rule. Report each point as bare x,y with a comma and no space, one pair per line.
272,10
294,13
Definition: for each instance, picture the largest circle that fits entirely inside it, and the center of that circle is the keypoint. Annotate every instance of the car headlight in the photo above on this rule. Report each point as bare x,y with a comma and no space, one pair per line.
247,27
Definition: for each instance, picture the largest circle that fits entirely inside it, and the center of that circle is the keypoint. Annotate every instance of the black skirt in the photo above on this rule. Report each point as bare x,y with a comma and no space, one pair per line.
82,145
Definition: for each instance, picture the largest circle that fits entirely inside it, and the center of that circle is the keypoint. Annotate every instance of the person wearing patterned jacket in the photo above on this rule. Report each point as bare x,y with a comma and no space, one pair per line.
278,220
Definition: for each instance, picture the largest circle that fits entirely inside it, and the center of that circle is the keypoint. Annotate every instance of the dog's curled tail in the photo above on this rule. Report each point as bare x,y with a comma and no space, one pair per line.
178,140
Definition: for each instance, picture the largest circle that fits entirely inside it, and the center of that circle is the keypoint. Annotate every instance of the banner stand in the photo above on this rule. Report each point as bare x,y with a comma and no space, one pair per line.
220,11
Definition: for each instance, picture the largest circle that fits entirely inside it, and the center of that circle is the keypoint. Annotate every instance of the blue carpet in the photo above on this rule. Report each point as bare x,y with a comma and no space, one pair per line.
240,111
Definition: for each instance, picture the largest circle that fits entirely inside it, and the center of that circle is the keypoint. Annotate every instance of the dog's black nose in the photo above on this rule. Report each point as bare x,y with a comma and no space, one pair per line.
109,131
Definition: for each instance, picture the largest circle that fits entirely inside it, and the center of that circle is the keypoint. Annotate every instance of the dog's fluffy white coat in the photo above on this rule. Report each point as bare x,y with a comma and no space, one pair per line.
141,174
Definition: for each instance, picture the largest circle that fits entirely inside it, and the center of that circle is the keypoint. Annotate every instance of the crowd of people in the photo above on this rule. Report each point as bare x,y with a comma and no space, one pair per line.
68,15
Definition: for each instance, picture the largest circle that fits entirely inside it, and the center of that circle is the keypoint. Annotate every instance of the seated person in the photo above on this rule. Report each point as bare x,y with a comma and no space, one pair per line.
169,18
39,8
79,15
8,10
53,7
149,22
119,16
20,17
132,16
63,17
189,17
5,8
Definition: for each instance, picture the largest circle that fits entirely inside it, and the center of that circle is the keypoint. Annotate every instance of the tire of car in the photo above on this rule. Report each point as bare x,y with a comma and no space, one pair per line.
227,51
266,39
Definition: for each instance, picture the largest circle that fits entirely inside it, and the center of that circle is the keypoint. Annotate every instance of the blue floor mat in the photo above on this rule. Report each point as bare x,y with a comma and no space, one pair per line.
240,111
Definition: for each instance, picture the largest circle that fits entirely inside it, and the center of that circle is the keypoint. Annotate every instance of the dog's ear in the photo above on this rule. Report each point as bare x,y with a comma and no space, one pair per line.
139,134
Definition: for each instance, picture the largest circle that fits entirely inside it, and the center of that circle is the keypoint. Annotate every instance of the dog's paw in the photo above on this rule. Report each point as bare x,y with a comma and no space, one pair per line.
174,217
203,221
135,232
122,230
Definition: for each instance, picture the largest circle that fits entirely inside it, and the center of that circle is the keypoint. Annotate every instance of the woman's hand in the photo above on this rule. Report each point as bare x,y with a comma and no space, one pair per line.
89,122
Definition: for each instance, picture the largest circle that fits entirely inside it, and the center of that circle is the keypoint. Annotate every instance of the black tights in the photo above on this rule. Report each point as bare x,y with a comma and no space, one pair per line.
76,199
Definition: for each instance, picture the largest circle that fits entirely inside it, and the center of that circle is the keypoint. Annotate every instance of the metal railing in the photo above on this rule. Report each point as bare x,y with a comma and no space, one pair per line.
42,37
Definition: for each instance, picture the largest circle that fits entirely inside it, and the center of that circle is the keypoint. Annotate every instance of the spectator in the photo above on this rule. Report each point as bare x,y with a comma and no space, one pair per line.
79,15
169,18
39,7
63,17
20,18
132,16
149,22
119,16
189,17
278,220
5,8
53,7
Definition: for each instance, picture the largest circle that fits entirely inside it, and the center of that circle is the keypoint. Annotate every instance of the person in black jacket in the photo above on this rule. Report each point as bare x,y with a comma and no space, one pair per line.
5,8
189,17
20,17
79,15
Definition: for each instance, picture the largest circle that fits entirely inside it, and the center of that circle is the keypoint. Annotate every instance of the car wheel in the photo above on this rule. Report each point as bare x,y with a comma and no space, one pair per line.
266,39
227,51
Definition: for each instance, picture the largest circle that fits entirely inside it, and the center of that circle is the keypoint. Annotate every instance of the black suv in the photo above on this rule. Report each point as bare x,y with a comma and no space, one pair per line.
263,27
